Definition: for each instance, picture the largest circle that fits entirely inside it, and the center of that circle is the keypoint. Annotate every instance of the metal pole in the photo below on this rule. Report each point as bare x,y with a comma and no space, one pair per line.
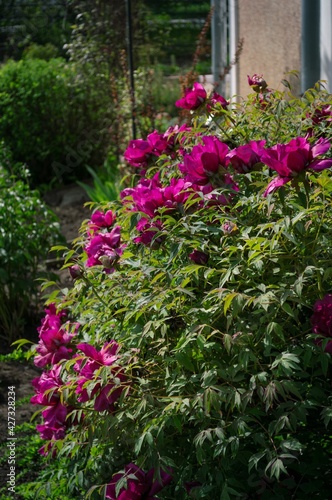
310,53
131,67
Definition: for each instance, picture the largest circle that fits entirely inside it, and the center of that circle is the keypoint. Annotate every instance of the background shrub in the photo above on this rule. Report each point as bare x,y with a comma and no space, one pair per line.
27,230
50,119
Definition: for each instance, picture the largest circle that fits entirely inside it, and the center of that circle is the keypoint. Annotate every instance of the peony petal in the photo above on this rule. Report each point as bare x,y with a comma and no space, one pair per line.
276,184
319,165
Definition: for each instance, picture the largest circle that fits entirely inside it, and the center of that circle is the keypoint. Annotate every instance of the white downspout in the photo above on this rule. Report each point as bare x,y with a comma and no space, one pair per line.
326,43
233,41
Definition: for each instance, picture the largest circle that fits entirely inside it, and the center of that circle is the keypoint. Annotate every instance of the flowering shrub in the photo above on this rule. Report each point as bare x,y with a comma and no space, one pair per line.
194,357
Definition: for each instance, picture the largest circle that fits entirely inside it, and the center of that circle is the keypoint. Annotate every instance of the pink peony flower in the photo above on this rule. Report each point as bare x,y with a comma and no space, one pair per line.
107,356
289,160
193,98
245,158
321,320
140,484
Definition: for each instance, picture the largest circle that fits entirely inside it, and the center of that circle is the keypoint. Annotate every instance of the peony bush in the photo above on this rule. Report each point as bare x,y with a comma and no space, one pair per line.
192,356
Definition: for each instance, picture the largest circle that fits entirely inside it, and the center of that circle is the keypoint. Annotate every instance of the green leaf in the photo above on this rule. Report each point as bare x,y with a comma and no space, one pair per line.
184,360
275,466
228,300
254,459
327,415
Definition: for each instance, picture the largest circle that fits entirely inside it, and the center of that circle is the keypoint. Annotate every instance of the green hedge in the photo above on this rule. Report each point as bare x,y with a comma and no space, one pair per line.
51,119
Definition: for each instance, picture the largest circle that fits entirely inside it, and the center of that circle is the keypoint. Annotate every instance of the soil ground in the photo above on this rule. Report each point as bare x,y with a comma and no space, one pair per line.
68,205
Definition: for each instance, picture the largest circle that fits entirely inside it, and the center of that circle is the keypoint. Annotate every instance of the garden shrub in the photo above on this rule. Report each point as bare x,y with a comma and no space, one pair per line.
51,119
192,357
45,52
27,229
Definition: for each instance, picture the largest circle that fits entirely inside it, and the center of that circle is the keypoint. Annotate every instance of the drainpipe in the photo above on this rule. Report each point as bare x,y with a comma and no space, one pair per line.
233,41
131,67
310,48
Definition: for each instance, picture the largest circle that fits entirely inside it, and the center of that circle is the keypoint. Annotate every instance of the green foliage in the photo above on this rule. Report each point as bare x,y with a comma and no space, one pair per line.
51,120
174,28
106,186
45,52
40,22
27,231
227,384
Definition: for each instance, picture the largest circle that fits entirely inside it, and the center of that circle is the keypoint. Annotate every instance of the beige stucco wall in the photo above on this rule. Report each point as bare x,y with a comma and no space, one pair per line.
272,41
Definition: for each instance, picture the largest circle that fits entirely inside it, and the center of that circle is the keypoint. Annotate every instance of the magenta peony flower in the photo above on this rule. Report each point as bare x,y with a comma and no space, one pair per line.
106,394
212,198
193,98
321,114
47,394
177,193
148,200
205,162
138,153
107,356
75,272
158,143
148,231
321,320
244,158
199,257
143,186
140,484
54,339
189,485
100,220
176,134
46,387
104,249
216,102
50,434
288,160
257,83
